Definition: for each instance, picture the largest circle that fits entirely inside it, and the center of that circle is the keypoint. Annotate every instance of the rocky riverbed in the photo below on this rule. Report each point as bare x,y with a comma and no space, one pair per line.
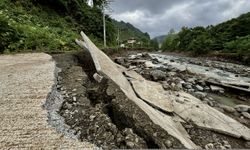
192,75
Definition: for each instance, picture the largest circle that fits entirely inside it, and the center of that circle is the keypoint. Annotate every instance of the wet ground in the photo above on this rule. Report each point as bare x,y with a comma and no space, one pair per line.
101,114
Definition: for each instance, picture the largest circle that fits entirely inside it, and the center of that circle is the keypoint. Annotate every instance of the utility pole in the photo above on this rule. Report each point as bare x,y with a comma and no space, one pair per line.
104,26
118,38
91,4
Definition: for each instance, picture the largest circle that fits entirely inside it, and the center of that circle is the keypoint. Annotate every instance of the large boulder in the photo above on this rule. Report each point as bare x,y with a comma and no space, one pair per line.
158,75
242,108
228,109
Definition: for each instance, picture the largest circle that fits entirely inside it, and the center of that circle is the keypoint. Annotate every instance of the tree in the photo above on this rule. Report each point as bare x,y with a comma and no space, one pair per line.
154,44
171,41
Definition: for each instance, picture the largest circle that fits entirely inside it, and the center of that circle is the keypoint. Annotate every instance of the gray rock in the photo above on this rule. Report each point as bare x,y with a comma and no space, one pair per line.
221,147
67,106
58,86
149,64
225,142
166,86
191,80
120,61
242,108
209,146
206,88
170,74
228,109
158,75
179,100
63,92
92,117
173,86
247,144
130,144
210,103
216,89
179,86
199,88
187,85
200,95
168,143
191,90
145,55
237,114
246,115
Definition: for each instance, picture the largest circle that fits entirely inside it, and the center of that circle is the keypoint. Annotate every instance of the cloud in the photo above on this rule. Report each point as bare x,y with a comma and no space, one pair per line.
157,17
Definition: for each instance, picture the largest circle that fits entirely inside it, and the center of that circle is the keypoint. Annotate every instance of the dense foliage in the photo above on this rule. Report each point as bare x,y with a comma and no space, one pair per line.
232,36
50,25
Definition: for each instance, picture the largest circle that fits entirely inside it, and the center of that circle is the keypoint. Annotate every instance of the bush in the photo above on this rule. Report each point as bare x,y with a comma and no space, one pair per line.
201,45
8,34
241,45
38,25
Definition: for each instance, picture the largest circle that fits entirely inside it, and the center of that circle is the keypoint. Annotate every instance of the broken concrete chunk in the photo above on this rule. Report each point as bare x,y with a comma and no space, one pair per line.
207,117
242,108
246,115
228,109
107,68
200,95
216,88
149,64
199,88
98,77
153,93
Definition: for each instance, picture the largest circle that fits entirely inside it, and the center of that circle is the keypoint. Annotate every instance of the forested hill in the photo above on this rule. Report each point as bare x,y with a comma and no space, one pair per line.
232,36
128,31
160,39
50,25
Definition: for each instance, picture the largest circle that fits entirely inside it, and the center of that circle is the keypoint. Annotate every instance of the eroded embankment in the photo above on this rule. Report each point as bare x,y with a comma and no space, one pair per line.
101,114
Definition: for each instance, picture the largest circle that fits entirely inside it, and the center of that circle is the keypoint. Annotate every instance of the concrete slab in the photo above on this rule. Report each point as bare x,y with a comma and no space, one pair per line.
151,92
204,116
188,107
106,67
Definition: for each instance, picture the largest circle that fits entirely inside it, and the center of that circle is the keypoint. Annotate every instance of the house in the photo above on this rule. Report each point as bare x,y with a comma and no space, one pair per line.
131,41
122,45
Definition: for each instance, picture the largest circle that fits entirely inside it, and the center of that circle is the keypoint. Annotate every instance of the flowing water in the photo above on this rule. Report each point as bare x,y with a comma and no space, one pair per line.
209,72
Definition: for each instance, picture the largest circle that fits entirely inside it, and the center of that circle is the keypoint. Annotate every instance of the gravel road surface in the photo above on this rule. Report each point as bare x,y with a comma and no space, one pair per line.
25,81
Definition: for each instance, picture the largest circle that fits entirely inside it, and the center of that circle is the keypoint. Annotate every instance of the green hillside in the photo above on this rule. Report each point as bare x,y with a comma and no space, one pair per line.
49,25
160,39
232,36
128,31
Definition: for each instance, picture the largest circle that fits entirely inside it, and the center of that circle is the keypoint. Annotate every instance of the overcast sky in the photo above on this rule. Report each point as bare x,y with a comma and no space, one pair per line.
157,17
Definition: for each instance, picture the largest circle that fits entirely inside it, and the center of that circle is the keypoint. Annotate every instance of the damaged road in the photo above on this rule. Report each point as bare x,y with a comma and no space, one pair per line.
135,106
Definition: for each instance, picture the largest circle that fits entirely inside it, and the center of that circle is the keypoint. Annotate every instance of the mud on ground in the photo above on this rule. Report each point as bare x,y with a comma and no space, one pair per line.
101,114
